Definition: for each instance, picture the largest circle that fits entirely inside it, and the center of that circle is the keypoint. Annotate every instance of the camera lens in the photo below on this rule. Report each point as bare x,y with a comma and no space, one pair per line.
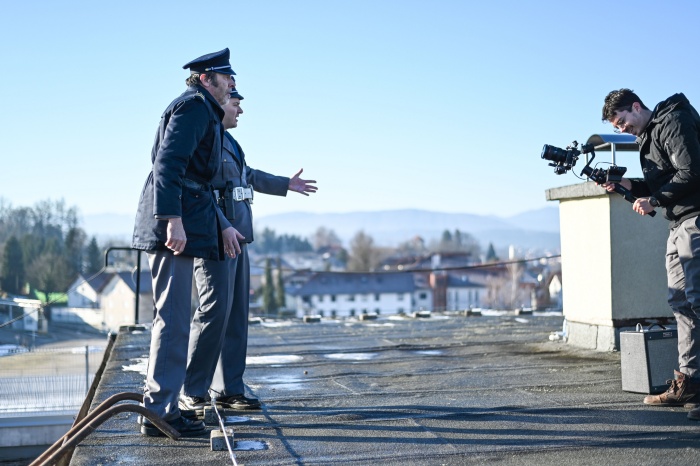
554,154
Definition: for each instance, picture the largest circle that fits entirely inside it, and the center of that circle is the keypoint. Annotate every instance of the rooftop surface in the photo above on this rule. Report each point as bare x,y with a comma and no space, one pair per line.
443,390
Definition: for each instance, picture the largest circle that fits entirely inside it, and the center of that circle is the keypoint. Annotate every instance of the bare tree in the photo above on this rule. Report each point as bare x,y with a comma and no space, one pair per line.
50,273
364,256
325,238
414,247
505,291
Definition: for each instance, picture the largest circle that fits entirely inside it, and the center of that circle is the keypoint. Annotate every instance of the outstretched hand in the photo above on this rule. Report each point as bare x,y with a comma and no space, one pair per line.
300,186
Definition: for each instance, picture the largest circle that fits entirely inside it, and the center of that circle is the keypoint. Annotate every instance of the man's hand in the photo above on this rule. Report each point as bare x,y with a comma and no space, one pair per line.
300,186
624,182
176,239
231,238
642,206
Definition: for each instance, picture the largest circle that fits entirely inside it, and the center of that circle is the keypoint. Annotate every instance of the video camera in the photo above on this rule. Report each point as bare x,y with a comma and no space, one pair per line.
564,160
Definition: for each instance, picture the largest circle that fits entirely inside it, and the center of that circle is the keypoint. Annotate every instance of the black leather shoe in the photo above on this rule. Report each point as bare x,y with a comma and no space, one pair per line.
186,427
238,402
189,414
193,403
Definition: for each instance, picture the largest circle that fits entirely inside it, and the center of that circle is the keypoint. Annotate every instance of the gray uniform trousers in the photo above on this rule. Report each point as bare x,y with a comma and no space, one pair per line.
683,270
171,276
219,329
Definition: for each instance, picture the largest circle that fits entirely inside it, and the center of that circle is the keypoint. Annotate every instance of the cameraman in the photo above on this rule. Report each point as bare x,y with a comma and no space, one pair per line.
669,148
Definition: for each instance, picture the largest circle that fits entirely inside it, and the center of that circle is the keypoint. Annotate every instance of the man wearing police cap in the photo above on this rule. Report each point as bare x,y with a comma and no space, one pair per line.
219,331
177,221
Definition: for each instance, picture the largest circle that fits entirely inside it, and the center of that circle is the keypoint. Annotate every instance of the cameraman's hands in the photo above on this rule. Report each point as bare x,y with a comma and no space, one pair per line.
624,182
642,206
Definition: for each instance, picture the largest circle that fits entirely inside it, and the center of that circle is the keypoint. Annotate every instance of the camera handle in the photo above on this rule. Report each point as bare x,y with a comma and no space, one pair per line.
627,194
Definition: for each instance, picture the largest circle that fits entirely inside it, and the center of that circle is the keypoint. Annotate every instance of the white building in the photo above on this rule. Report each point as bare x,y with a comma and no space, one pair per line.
86,293
118,300
463,293
108,301
25,314
330,294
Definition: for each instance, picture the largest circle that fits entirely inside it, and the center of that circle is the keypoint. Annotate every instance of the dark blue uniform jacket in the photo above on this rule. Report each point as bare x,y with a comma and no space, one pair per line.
235,169
186,154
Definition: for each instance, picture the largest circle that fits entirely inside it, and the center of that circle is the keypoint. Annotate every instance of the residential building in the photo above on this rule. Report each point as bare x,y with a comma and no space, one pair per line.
119,299
463,292
85,292
107,300
330,294
25,314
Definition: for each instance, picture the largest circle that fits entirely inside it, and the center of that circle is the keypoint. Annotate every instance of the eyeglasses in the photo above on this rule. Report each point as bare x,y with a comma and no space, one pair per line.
620,125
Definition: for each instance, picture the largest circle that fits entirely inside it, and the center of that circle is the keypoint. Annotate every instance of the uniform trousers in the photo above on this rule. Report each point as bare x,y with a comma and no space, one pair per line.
683,270
219,330
171,276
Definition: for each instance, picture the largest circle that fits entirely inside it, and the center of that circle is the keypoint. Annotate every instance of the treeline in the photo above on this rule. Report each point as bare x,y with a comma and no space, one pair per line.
43,248
363,255
268,242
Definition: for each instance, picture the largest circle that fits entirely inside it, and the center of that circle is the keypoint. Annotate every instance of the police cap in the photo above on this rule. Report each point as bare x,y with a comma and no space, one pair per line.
217,62
235,95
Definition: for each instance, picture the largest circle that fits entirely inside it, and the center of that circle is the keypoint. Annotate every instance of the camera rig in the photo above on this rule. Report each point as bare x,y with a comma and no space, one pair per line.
564,160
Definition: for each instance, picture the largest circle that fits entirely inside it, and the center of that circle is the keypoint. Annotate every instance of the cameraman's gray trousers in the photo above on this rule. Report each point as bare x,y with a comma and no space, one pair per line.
683,270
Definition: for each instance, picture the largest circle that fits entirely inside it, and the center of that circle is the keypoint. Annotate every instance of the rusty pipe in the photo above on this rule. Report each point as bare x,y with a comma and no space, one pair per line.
102,406
89,426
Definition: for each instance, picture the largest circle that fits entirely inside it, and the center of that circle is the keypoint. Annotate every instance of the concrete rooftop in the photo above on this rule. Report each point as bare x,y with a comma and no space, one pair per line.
444,390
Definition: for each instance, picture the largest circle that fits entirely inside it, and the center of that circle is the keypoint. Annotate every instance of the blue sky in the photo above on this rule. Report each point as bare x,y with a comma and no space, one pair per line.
388,104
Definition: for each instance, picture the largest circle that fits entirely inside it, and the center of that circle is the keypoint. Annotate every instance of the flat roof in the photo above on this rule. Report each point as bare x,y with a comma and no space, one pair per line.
443,390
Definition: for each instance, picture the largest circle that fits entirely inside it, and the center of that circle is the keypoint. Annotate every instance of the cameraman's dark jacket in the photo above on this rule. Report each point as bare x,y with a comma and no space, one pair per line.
669,151
185,156
234,169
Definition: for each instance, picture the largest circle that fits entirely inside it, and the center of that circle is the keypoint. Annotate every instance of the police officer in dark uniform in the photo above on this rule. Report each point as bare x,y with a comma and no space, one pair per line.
219,330
177,221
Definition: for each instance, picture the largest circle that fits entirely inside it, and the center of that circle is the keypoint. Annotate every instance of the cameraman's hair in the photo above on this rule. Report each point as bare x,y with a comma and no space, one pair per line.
194,78
621,100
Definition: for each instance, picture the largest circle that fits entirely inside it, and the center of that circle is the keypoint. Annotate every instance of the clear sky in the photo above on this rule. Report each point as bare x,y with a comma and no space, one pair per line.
388,104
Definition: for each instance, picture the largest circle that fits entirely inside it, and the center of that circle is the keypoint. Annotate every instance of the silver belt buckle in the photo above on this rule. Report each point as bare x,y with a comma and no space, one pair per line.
238,194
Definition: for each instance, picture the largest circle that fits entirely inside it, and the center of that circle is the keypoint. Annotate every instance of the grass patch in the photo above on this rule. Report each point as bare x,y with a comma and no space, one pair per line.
56,299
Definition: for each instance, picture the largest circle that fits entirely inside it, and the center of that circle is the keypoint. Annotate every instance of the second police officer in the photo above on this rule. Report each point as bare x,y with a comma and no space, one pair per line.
219,330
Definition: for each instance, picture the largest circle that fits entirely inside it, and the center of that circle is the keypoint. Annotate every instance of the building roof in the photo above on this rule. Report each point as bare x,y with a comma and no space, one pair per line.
356,283
455,390
462,281
428,261
99,281
130,279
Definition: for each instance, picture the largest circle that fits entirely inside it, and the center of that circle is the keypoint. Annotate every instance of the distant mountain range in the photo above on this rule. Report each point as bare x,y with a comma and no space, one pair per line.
537,229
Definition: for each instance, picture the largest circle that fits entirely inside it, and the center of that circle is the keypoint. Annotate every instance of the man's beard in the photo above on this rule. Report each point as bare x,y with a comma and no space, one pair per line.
215,84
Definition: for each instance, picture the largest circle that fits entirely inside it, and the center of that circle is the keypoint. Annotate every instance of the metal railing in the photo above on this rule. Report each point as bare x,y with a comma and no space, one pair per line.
46,379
